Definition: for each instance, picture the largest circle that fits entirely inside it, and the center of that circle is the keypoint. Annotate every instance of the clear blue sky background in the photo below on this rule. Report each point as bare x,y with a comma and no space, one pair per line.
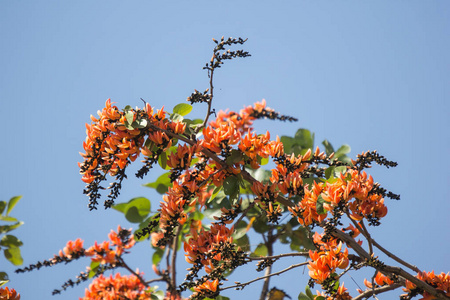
371,74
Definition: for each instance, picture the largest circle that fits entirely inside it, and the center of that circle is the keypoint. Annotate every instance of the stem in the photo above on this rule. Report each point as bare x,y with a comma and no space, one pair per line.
269,245
279,256
377,290
173,272
123,264
385,269
242,285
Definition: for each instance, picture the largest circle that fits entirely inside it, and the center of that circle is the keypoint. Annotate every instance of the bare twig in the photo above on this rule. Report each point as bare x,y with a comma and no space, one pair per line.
123,264
385,269
378,290
279,256
242,285
269,245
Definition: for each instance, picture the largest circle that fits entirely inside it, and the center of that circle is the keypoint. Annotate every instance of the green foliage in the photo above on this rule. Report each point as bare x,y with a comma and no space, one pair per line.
308,295
182,109
161,185
10,244
300,143
135,210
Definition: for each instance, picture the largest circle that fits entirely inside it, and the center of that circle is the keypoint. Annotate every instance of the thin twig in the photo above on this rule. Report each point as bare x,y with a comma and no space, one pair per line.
123,264
385,269
269,245
378,290
279,256
242,285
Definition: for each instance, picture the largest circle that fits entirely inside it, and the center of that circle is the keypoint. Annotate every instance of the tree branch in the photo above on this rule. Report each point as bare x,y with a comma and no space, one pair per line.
242,285
378,290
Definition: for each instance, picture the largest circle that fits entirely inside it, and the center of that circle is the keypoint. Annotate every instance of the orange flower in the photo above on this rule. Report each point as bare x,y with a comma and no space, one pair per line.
9,294
117,287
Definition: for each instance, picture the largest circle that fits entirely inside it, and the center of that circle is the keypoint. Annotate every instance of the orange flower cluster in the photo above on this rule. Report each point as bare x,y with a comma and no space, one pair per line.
306,209
379,279
220,138
203,242
325,261
102,253
352,185
182,157
117,287
243,120
341,294
357,187
110,145
9,294
209,287
440,282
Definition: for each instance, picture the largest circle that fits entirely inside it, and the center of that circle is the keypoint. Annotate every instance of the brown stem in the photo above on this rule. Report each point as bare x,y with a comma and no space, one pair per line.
279,256
388,269
377,290
173,272
269,245
123,264
242,285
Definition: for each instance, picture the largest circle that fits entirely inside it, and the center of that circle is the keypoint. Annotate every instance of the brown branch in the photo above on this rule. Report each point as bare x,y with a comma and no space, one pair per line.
242,285
388,269
269,245
378,290
279,256
173,272
123,264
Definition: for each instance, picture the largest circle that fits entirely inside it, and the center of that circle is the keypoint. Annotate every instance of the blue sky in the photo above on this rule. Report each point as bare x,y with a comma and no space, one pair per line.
371,74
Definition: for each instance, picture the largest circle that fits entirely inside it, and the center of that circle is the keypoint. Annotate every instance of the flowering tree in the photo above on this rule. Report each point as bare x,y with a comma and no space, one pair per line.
320,203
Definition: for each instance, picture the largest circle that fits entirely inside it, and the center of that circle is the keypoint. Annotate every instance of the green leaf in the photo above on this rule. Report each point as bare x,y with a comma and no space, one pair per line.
231,185
135,210
10,241
142,123
13,255
319,205
235,156
244,243
8,228
157,256
302,296
328,147
309,293
12,202
129,116
222,298
260,224
162,161
3,278
158,295
215,193
161,184
8,219
263,161
93,268
304,138
182,109
344,149
240,230
288,142
261,250
2,206
176,117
